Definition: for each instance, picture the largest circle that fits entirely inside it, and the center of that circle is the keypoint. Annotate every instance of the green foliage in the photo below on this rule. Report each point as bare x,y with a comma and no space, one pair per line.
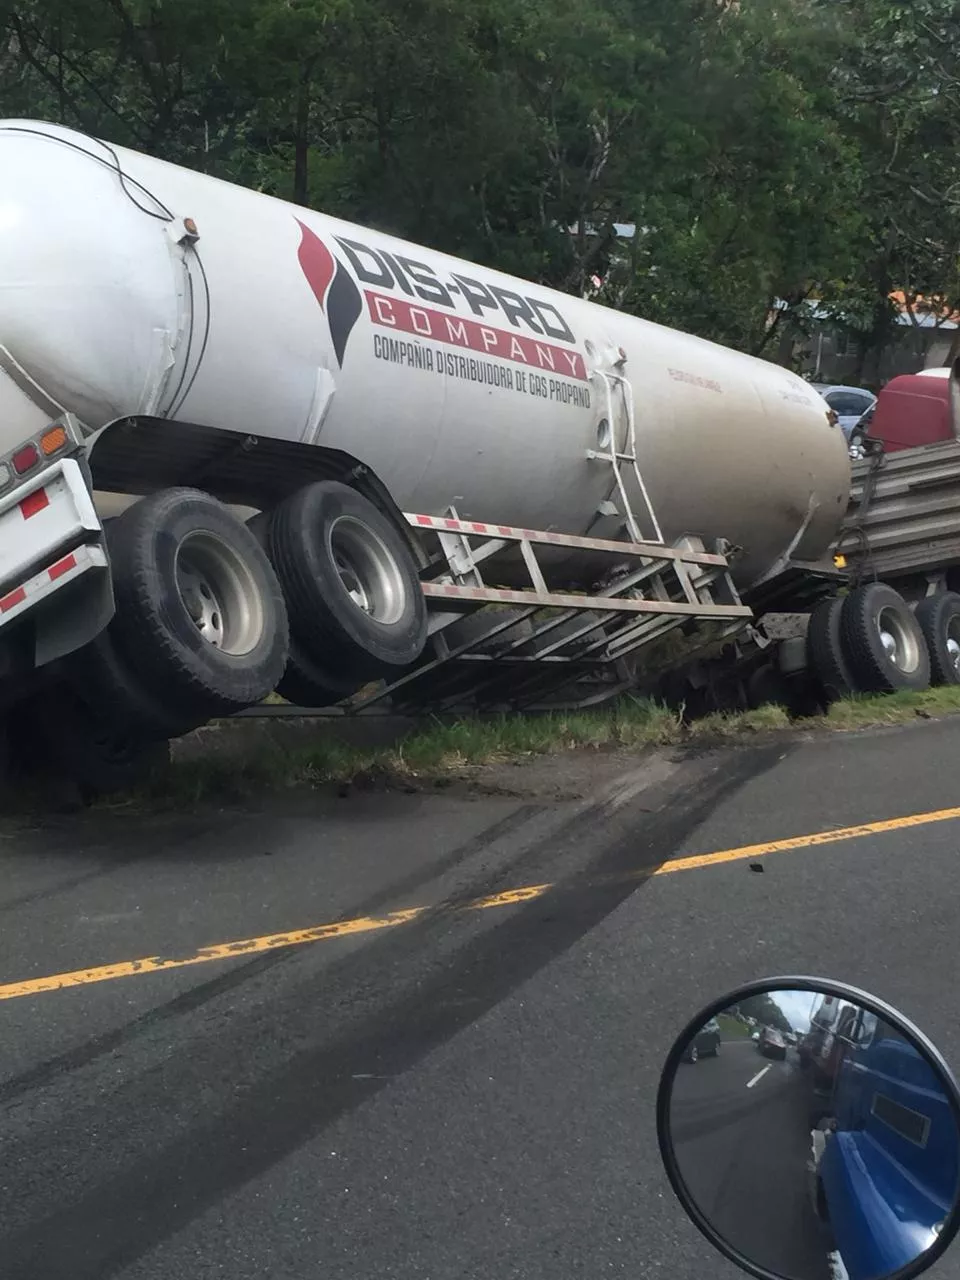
766,1011
896,82
770,150
731,1028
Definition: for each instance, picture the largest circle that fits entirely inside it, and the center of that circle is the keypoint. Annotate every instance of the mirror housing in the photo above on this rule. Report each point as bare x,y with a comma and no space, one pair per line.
835,1154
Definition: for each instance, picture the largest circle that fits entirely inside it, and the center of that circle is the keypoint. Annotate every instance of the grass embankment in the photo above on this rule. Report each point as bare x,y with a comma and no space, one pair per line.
893,708
444,750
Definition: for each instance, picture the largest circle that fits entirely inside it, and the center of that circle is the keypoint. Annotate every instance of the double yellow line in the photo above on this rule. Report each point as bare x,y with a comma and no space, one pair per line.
394,919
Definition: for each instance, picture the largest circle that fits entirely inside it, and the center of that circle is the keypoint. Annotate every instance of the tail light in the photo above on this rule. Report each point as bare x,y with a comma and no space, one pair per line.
55,439
25,459
52,441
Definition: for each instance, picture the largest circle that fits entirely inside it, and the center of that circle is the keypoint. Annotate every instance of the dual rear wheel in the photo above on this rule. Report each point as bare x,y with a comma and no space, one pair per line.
352,587
313,599
871,641
938,618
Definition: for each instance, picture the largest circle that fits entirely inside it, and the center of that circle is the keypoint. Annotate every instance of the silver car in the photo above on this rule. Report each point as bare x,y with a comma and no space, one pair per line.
848,403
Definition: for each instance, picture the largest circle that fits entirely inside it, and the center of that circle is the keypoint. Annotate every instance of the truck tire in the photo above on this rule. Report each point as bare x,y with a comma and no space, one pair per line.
100,759
883,639
99,675
792,658
200,612
350,582
767,687
938,617
306,683
826,653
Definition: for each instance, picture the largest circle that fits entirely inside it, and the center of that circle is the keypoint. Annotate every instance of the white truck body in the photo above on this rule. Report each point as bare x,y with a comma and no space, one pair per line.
537,450
597,479
130,286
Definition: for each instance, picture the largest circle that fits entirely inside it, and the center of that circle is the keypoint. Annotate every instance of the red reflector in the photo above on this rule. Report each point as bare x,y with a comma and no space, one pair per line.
25,458
36,502
12,600
61,567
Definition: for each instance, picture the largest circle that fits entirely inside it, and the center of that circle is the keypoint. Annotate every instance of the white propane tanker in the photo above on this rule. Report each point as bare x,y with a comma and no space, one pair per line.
452,382
163,333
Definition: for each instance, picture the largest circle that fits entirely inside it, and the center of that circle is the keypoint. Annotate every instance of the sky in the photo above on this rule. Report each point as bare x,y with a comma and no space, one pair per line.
797,1007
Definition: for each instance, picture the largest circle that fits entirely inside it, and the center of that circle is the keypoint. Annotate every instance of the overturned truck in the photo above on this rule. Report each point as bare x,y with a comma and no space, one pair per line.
245,447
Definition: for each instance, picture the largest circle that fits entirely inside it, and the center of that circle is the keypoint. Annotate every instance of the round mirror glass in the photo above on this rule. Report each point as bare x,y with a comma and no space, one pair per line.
813,1136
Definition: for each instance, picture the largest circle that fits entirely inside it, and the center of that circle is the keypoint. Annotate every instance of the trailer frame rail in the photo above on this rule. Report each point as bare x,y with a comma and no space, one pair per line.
530,653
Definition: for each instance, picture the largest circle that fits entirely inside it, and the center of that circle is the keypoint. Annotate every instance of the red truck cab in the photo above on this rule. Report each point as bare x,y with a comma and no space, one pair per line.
916,409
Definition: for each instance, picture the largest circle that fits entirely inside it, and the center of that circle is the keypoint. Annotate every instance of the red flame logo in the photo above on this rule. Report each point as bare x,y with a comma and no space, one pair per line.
333,287
317,262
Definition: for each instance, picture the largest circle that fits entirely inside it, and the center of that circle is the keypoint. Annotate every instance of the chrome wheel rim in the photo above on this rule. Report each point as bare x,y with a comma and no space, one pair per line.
219,592
953,645
899,642
367,570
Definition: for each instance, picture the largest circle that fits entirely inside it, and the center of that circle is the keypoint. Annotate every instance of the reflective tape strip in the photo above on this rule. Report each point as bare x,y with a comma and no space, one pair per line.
41,584
34,503
61,567
38,583
445,524
12,599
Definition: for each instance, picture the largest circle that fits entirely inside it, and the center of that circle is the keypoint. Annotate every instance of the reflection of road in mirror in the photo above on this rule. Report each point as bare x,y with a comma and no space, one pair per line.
815,1136
740,1124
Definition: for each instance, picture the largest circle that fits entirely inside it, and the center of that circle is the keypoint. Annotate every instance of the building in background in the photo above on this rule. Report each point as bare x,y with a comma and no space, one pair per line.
925,335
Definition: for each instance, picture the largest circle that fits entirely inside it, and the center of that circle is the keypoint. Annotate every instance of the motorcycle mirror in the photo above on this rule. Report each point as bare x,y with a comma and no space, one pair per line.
828,1148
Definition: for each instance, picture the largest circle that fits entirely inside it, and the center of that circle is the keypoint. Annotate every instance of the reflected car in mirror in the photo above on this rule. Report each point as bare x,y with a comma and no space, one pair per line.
772,1043
705,1044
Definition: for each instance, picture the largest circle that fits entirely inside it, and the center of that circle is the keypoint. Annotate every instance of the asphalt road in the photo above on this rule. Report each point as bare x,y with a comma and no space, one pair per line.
741,1126
454,1093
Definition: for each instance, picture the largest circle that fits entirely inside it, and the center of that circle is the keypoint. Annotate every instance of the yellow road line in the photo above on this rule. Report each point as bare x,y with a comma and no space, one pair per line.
807,842
221,951
510,897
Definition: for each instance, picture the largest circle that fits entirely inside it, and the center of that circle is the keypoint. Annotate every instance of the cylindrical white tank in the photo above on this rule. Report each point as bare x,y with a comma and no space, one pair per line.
456,384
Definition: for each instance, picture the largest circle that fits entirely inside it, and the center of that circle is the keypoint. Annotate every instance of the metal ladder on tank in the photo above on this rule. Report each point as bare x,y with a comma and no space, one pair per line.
612,383
652,590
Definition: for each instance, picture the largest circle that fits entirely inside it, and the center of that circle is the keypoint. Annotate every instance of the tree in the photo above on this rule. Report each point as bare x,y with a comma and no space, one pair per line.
140,73
765,152
766,1011
764,208
898,86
